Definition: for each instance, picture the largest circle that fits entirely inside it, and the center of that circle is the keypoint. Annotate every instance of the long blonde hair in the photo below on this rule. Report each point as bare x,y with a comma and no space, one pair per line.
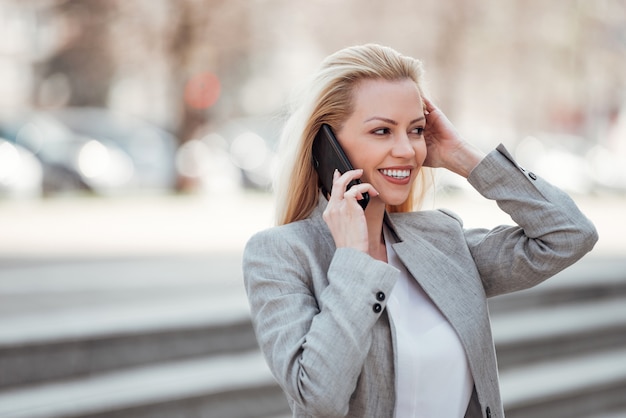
328,99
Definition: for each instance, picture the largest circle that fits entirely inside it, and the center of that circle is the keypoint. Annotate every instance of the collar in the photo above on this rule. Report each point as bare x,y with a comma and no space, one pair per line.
322,202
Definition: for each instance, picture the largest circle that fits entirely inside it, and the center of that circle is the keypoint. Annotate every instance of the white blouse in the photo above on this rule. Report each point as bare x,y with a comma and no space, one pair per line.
433,377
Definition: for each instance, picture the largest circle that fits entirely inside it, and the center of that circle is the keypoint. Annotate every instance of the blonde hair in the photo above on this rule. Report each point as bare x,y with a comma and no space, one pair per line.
328,99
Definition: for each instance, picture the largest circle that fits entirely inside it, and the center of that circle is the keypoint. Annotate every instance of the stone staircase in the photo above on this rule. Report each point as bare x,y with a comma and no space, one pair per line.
171,337
131,338
562,345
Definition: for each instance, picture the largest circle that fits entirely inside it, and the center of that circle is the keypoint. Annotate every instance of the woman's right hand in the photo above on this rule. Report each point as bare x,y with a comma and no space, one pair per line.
343,215
446,147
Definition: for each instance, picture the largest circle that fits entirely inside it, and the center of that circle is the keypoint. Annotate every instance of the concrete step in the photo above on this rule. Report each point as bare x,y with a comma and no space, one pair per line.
550,333
571,387
155,316
29,287
71,333
224,386
79,341
241,386
591,279
617,413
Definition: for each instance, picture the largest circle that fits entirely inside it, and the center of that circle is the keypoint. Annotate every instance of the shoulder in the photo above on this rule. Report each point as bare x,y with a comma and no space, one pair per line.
308,235
295,253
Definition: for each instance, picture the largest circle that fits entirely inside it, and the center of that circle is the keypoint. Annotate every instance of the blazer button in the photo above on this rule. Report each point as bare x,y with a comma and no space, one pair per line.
488,412
377,308
532,175
380,296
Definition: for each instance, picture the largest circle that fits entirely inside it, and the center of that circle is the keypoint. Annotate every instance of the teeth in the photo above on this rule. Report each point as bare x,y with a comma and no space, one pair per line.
399,174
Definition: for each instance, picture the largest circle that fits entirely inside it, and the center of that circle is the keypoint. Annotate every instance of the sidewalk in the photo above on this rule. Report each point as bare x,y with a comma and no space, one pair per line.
177,225
130,226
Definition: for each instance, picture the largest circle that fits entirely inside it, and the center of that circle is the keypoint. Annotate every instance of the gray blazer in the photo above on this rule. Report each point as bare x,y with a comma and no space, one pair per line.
318,311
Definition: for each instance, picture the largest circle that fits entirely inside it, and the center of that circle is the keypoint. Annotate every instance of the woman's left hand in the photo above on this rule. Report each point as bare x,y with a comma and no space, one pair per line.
446,148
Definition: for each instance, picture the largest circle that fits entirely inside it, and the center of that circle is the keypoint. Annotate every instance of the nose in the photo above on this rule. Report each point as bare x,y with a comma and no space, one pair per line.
402,147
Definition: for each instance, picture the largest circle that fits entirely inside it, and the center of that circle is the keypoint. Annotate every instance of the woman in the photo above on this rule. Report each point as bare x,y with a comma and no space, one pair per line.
382,312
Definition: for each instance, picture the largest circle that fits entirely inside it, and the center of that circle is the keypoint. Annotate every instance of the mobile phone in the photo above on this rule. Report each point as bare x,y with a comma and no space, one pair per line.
328,156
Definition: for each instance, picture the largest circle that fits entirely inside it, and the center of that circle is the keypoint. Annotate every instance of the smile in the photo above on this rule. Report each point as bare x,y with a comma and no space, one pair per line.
396,174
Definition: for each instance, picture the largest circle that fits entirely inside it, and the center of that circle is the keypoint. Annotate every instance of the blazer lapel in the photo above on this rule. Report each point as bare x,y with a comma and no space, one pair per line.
456,290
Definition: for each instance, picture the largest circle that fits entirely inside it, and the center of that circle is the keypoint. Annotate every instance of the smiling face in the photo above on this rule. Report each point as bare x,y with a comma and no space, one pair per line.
384,137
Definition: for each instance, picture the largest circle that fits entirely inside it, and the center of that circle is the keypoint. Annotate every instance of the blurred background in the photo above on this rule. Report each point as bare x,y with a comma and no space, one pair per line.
137,143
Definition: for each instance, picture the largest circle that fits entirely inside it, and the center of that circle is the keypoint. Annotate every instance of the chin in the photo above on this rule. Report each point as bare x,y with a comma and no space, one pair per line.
394,201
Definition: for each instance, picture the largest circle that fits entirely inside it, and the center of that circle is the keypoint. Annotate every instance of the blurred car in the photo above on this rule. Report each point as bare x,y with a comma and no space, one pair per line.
204,164
56,147
21,173
252,144
238,155
562,159
150,148
95,150
608,168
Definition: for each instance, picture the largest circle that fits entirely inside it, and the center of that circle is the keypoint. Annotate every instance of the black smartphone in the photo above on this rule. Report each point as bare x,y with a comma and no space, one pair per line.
328,156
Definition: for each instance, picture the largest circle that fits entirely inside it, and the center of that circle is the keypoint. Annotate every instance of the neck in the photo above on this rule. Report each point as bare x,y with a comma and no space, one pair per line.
374,215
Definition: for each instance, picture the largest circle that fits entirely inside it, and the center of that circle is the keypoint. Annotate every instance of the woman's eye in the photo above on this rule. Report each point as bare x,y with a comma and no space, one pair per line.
381,131
419,130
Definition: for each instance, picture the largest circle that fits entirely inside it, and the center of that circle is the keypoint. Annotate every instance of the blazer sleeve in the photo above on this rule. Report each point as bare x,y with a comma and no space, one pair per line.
314,344
551,232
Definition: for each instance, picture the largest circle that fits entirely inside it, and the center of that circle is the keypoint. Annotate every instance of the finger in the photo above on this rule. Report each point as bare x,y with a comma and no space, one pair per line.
358,190
353,193
340,182
429,106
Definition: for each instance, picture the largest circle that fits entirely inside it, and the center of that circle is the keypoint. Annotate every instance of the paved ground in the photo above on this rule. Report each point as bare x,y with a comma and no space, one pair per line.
213,224
129,227
96,249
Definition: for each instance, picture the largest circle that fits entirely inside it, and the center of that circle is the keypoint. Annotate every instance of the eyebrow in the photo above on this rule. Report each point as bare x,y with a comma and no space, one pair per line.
391,121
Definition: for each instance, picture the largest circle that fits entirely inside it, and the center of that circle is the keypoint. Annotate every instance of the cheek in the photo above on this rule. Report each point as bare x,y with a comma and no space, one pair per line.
350,147
361,155
420,151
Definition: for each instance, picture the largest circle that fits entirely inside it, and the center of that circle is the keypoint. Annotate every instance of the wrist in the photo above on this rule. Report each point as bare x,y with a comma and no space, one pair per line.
465,159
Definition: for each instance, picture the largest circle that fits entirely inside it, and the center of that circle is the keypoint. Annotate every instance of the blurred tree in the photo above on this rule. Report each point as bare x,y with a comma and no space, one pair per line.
207,51
207,37
83,57
450,40
529,65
